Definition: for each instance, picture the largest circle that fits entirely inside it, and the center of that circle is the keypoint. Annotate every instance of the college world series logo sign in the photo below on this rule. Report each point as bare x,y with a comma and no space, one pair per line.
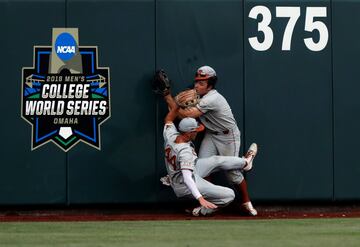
65,95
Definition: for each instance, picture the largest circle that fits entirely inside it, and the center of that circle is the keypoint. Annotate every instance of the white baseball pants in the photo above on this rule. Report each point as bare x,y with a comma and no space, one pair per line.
225,145
219,195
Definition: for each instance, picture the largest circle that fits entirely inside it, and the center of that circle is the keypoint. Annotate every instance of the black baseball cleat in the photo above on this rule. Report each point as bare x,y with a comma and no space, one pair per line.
249,157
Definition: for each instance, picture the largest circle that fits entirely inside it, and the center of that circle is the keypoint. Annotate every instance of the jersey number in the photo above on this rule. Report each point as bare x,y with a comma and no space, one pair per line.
171,160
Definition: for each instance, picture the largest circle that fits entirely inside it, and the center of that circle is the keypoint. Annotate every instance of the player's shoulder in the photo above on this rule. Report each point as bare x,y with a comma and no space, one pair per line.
213,94
213,97
170,131
170,127
184,150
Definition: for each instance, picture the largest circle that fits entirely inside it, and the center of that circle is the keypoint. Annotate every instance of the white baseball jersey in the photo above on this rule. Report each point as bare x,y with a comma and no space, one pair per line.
178,156
217,115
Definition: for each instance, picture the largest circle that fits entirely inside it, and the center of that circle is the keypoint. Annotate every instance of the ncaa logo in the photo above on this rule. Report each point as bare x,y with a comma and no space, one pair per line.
65,46
65,94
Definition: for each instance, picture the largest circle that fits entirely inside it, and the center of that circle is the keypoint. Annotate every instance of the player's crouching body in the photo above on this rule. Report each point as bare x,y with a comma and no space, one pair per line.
187,172
221,129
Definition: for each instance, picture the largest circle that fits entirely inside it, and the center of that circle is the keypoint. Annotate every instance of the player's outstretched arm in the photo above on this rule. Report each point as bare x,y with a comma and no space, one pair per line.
190,183
170,101
172,114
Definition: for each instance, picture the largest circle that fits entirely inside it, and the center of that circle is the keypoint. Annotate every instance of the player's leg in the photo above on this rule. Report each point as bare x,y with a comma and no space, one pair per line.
235,176
219,195
207,147
228,144
205,166
241,186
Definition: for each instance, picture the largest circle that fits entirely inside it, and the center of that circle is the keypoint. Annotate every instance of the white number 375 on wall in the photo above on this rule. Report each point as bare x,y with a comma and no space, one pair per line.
293,13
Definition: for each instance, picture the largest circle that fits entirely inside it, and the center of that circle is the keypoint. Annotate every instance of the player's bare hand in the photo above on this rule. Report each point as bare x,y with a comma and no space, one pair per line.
206,204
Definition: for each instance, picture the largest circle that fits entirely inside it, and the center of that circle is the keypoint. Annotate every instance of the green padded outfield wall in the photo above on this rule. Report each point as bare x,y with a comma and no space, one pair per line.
26,177
288,106
300,104
124,171
346,53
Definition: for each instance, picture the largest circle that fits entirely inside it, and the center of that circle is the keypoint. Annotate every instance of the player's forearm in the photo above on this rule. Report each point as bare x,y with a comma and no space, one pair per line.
171,102
170,117
190,183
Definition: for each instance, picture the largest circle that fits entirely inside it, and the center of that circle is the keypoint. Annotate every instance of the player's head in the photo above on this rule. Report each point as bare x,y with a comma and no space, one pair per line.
206,73
189,127
205,79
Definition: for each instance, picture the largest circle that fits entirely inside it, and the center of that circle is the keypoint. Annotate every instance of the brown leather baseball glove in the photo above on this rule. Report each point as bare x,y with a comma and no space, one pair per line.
187,98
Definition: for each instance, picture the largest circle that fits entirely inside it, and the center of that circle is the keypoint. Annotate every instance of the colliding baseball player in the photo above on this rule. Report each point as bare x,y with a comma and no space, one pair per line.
187,172
222,136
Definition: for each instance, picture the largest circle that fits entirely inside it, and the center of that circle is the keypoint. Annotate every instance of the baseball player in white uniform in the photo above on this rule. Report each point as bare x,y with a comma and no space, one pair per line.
222,136
186,171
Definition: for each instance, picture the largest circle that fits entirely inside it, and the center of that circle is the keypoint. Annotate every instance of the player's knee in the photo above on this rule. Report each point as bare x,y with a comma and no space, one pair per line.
239,179
235,177
229,196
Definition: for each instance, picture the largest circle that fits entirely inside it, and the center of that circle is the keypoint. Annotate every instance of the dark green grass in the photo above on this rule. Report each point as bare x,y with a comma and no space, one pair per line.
298,232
